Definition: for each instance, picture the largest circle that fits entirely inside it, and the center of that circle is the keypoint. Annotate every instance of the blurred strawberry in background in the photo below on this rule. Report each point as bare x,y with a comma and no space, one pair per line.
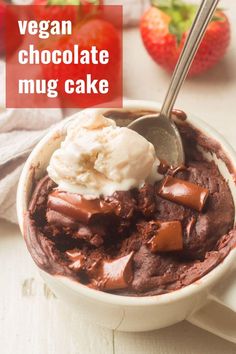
48,12
16,38
2,24
164,28
94,32
91,29
52,13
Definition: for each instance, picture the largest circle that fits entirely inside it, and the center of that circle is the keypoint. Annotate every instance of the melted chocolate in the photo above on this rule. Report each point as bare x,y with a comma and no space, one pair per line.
178,114
168,237
77,208
116,274
183,192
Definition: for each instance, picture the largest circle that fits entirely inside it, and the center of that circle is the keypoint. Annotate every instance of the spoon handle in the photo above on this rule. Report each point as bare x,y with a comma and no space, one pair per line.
199,26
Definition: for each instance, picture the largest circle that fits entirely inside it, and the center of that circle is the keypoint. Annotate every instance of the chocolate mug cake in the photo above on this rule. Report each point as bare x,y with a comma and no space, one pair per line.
112,216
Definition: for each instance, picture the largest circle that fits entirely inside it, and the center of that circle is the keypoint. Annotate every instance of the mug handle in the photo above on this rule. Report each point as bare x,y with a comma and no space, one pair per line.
218,316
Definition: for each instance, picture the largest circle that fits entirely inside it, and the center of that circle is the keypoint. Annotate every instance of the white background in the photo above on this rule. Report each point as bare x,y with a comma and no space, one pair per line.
32,321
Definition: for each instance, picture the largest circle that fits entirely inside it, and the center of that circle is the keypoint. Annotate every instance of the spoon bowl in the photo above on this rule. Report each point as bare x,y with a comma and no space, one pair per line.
164,136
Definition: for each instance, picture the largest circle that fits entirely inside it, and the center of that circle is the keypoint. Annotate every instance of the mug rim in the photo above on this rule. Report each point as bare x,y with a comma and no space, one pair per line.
204,283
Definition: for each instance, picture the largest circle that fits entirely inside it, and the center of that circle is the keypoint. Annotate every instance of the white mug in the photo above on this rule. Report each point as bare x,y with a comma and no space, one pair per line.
209,303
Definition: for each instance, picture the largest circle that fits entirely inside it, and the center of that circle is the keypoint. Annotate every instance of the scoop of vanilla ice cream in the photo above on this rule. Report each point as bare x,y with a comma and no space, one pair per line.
98,158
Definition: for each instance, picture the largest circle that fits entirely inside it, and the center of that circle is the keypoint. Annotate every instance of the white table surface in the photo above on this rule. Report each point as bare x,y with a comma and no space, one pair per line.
32,320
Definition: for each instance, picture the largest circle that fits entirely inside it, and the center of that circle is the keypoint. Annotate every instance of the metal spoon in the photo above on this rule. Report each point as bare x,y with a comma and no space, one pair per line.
159,129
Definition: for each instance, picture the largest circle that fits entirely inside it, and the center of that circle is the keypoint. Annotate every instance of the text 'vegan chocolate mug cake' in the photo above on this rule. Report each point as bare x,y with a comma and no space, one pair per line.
110,216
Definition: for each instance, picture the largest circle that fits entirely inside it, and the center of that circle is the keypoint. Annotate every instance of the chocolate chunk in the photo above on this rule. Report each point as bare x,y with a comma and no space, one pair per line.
76,207
183,192
57,219
168,237
116,274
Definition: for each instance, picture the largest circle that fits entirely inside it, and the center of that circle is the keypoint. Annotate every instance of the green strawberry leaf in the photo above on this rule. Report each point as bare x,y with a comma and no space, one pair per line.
92,2
72,2
217,19
182,15
173,30
63,2
162,3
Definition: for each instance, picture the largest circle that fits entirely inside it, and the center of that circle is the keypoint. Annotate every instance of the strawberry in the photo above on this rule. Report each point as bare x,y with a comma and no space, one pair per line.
15,39
93,32
164,28
2,25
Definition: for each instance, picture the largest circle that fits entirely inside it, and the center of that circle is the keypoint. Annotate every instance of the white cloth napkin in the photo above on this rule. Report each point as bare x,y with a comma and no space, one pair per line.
20,130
